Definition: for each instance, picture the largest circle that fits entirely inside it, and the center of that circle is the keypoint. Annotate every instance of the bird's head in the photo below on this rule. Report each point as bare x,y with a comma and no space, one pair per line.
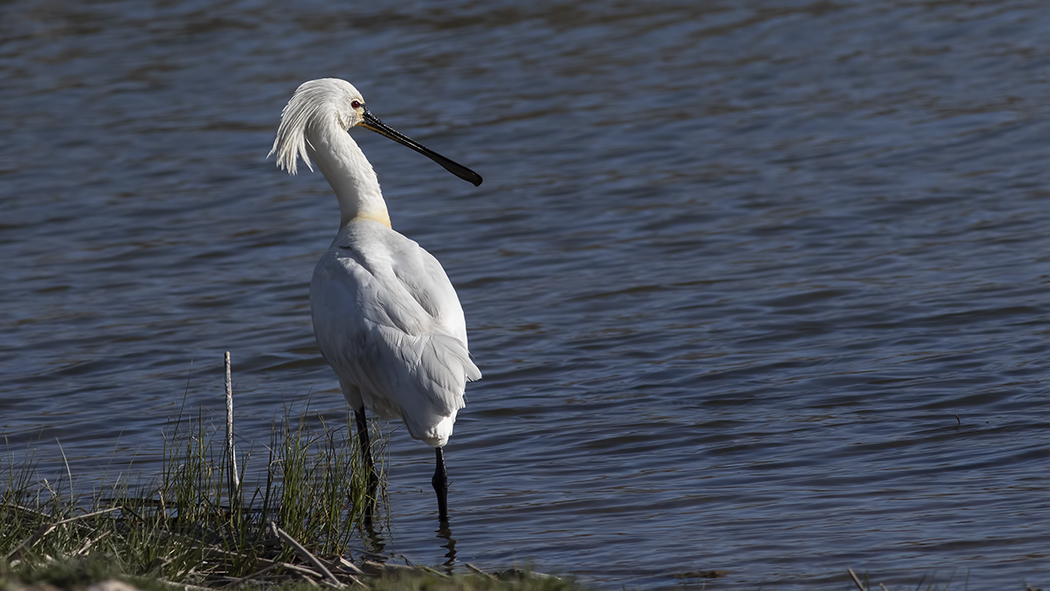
347,103
316,104
333,102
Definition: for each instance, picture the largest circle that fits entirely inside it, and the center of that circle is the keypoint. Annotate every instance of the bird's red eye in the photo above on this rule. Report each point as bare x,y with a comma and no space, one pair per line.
355,104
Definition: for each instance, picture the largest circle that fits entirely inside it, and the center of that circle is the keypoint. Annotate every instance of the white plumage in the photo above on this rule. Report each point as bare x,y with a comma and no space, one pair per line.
389,323
385,314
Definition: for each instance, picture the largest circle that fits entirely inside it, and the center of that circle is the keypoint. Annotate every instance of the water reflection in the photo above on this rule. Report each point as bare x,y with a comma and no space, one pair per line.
374,542
445,533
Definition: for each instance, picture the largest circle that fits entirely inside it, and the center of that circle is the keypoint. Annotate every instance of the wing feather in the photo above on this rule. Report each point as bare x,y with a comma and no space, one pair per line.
388,321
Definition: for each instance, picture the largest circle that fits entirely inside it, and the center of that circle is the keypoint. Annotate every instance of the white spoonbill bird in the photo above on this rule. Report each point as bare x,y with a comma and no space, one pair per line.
385,315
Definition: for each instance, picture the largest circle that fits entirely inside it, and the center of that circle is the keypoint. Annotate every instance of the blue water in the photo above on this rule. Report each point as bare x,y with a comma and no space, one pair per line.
758,287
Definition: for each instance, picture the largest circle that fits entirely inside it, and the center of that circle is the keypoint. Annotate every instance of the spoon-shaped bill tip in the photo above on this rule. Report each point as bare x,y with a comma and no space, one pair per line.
372,122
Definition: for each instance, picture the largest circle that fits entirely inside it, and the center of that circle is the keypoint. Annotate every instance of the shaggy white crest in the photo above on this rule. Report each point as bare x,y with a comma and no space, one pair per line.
317,103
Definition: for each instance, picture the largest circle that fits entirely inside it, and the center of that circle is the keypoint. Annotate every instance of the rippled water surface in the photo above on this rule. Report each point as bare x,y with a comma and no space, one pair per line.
756,286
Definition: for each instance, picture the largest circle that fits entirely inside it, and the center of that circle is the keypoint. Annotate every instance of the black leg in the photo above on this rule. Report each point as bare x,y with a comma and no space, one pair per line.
366,453
440,482
366,447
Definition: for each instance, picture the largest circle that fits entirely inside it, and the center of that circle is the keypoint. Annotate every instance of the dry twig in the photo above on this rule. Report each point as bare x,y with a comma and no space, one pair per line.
478,571
306,555
235,481
350,566
855,579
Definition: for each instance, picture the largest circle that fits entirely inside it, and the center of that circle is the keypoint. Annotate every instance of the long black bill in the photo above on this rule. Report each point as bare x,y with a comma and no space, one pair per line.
372,122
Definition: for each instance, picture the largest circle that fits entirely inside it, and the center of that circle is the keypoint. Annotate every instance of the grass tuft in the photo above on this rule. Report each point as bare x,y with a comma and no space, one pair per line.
198,525
187,526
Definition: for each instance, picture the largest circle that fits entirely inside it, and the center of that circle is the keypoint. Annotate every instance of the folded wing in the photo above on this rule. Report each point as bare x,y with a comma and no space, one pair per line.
388,321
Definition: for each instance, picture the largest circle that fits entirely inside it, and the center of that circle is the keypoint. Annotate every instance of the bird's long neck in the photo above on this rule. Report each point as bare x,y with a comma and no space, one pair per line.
346,169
